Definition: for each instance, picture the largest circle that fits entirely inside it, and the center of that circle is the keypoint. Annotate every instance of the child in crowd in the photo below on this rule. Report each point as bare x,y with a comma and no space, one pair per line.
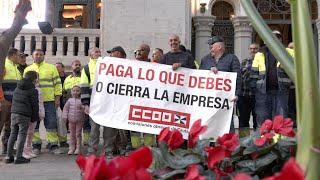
27,151
25,108
73,112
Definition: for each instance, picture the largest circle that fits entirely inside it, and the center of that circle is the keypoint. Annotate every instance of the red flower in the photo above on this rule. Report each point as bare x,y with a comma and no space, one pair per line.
229,141
164,135
254,156
92,167
216,155
175,140
283,126
195,131
133,167
228,169
193,173
242,176
263,139
266,127
81,161
219,173
142,157
291,170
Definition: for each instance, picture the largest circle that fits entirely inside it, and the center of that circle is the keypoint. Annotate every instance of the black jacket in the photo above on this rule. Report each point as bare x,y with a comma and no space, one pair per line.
184,58
25,100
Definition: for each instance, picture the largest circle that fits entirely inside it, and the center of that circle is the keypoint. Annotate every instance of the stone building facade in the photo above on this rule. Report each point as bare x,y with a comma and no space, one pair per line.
108,23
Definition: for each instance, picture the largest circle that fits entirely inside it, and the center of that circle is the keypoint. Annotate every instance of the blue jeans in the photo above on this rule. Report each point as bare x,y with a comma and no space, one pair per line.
50,123
271,104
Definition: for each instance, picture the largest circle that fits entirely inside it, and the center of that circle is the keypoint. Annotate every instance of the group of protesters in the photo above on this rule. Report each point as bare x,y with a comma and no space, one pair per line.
34,93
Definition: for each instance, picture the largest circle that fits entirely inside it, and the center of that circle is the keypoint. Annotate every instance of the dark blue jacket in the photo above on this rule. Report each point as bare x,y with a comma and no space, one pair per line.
226,63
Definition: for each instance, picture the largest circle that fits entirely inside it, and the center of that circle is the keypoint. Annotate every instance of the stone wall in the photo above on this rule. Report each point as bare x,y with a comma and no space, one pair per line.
129,23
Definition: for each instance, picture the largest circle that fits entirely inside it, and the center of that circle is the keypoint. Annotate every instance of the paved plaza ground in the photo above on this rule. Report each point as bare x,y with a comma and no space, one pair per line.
45,167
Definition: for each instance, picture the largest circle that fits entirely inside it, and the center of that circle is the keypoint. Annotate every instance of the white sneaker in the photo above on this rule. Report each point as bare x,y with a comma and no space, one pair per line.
32,155
27,156
71,151
77,151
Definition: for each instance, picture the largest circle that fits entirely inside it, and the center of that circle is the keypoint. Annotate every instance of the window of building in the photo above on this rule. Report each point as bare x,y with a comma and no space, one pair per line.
75,16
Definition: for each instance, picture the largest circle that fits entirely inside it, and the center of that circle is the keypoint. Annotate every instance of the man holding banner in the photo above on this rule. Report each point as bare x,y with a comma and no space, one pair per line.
221,61
87,81
147,97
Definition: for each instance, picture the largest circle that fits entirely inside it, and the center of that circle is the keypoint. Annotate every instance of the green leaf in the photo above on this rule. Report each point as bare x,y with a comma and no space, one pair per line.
158,160
199,148
259,150
172,174
287,142
237,151
209,174
255,165
180,152
179,162
248,140
201,144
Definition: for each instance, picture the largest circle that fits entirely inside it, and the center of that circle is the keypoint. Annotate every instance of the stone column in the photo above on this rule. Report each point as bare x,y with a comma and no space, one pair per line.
203,28
242,36
59,46
318,43
27,44
17,42
49,51
81,46
38,40
92,42
70,51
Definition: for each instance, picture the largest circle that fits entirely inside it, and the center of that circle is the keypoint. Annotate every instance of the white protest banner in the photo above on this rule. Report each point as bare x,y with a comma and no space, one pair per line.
147,97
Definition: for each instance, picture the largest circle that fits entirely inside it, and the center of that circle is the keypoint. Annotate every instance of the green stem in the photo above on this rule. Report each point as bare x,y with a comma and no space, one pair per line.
307,91
306,81
314,164
271,41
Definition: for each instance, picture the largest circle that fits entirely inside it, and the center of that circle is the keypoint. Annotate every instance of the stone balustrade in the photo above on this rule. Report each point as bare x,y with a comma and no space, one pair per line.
63,45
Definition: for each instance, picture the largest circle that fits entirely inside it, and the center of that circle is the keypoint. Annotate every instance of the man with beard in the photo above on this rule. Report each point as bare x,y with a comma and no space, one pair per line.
72,80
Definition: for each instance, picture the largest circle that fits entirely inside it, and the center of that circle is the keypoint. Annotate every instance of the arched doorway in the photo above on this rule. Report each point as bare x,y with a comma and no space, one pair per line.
277,14
223,11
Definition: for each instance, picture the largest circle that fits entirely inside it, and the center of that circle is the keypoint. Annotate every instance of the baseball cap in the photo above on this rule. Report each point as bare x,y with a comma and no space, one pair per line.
23,54
119,49
215,39
276,32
